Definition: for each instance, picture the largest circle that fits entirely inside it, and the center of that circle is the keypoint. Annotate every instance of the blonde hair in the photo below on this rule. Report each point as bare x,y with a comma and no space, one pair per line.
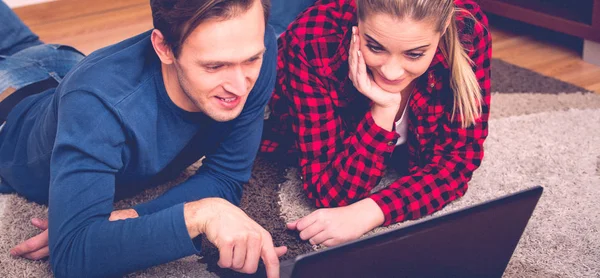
467,92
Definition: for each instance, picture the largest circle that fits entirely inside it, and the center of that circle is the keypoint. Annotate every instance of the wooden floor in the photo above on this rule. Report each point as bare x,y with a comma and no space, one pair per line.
91,24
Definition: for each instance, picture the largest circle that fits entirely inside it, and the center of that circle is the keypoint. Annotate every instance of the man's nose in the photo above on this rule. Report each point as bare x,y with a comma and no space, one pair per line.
237,81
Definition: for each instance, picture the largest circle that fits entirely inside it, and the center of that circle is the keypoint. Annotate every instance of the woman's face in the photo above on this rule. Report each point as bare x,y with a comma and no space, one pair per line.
396,51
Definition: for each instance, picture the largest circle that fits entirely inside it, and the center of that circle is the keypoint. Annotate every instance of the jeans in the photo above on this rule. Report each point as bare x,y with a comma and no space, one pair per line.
283,12
25,60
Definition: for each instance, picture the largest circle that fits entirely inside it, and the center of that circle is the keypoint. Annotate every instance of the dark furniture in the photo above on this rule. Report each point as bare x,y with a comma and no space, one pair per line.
580,18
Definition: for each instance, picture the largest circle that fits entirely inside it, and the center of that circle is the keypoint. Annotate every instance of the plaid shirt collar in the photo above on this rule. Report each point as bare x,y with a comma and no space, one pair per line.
438,64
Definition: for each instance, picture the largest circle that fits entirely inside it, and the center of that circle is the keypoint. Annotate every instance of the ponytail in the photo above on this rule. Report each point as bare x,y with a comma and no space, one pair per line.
467,92
464,84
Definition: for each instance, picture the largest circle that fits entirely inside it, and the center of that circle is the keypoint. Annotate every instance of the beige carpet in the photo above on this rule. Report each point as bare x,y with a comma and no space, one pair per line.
535,138
558,150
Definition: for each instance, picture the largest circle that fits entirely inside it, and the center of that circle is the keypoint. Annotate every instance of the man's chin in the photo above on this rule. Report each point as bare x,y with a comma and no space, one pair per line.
224,116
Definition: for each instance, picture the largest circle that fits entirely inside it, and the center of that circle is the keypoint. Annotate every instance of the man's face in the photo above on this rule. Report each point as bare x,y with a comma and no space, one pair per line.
219,64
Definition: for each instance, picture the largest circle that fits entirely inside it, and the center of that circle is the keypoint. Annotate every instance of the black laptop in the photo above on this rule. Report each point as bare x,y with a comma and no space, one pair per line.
477,241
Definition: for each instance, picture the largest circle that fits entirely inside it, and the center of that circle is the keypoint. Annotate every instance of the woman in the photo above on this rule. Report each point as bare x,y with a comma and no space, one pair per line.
369,84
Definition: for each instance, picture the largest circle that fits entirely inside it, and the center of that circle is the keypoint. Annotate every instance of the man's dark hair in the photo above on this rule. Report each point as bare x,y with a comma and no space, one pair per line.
176,19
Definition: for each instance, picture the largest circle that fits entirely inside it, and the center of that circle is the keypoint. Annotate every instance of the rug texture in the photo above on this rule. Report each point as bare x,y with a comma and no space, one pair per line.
542,132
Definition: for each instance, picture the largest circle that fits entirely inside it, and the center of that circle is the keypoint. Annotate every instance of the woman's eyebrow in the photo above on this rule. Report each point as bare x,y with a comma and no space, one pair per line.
417,48
374,41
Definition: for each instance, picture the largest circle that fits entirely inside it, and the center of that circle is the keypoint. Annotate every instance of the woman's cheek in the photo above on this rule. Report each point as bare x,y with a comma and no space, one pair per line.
418,68
371,60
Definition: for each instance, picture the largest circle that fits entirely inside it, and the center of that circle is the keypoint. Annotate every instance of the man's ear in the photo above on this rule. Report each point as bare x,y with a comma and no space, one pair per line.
164,52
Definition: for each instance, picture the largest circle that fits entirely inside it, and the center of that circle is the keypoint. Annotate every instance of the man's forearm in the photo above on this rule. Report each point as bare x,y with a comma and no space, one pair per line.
201,185
127,245
195,214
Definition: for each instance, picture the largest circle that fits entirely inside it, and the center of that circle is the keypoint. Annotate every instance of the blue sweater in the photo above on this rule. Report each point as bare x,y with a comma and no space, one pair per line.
111,130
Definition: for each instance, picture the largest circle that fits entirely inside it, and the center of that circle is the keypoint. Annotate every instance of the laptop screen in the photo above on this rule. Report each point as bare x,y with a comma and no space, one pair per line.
473,242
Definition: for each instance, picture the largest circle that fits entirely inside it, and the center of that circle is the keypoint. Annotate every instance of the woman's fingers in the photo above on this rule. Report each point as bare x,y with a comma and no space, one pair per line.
312,230
330,242
320,238
292,225
362,78
358,67
306,221
352,58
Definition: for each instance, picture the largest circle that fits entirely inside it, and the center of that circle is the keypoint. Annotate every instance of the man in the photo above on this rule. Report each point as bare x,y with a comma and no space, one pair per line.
283,12
137,113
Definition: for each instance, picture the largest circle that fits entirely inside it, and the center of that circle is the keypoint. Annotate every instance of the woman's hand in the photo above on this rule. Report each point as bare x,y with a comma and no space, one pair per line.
385,104
363,81
334,226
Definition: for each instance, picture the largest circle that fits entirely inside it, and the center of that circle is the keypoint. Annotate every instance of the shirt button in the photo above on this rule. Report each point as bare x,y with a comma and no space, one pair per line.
432,85
390,143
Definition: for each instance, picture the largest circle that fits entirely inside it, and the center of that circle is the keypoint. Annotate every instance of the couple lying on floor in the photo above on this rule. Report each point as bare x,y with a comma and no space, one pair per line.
349,89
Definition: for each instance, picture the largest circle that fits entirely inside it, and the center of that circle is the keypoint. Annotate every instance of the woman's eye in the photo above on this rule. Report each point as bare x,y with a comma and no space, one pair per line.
415,56
374,49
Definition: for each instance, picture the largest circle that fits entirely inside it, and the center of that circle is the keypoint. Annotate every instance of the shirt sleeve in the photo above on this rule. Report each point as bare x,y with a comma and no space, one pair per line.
457,152
86,157
338,166
224,172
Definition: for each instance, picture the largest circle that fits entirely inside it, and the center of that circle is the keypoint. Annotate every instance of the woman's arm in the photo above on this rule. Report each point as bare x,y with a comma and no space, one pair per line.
457,152
339,166
448,166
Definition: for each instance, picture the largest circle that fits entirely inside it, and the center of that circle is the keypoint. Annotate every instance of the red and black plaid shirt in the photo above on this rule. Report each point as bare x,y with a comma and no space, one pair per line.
342,151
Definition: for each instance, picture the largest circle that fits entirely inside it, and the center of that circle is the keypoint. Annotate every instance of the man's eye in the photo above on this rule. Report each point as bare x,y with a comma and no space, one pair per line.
374,49
252,61
214,67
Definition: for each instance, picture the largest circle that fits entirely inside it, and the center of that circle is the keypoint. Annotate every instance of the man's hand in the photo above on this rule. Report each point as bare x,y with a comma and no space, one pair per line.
36,248
123,214
334,226
240,240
